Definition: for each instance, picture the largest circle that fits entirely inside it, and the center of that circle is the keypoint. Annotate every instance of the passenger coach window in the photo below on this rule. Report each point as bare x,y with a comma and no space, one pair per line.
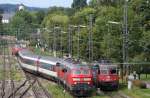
27,61
46,66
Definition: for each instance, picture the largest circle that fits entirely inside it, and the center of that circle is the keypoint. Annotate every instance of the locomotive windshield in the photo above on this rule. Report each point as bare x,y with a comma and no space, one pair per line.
78,72
108,70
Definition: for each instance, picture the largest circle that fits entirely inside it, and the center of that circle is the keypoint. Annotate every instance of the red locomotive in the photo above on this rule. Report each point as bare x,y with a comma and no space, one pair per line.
105,75
76,77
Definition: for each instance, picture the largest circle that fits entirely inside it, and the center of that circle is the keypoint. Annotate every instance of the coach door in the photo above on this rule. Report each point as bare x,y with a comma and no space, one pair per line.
38,63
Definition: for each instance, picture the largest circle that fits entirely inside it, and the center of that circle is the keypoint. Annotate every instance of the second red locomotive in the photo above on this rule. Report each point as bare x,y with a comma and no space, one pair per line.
105,75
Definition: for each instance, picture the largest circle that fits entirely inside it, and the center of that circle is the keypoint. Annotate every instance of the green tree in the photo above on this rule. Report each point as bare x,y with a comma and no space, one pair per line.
78,4
107,37
96,3
141,7
145,45
22,24
39,16
55,19
61,10
51,21
82,17
25,15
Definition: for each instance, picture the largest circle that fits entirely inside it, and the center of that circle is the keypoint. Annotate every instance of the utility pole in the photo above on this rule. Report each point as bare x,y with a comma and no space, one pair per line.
90,38
125,35
18,34
54,42
78,47
49,38
70,40
61,42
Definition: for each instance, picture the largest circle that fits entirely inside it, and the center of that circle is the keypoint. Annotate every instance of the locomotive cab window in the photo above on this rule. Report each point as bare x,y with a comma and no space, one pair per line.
76,72
113,71
85,72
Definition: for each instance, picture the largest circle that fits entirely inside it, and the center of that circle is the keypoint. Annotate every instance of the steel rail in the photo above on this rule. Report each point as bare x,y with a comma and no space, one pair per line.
17,89
33,88
29,77
11,70
27,89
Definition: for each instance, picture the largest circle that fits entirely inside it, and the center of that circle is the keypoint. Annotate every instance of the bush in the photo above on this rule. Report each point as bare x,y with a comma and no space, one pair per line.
139,84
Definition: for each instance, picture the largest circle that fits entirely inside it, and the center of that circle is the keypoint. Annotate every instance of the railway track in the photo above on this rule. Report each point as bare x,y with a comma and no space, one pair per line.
37,87
3,71
9,88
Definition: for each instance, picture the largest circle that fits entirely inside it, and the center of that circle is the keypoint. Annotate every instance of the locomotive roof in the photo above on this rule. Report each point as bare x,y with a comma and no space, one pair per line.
71,63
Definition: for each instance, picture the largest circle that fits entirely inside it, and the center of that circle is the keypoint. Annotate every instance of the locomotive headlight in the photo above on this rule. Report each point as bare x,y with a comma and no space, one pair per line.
76,79
87,79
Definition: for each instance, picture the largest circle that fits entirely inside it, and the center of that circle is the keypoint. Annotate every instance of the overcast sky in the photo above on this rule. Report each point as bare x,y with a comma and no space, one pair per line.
40,3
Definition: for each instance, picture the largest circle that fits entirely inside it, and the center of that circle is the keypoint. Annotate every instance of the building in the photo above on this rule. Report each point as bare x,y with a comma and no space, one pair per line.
6,17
